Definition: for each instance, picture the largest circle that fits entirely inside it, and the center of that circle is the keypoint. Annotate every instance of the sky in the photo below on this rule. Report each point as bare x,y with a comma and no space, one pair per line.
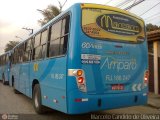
16,14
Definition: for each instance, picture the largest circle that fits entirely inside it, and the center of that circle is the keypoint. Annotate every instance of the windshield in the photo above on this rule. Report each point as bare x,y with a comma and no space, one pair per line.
107,24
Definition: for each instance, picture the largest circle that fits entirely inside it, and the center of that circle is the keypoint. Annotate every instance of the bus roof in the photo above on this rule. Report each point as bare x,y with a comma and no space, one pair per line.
99,6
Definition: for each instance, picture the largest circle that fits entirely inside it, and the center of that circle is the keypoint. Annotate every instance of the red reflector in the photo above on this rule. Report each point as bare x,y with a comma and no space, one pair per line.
80,80
146,76
118,87
78,100
63,97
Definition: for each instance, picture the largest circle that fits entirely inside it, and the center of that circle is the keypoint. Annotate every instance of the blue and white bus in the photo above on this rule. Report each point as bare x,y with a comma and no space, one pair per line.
5,67
90,57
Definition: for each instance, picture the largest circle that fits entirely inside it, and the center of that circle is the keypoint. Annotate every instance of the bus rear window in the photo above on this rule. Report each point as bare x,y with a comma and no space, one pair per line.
106,24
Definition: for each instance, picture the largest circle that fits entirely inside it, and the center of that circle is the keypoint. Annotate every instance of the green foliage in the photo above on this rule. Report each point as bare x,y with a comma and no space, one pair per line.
10,45
49,13
151,27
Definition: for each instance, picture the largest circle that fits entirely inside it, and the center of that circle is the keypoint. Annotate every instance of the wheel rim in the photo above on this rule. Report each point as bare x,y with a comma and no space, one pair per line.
36,100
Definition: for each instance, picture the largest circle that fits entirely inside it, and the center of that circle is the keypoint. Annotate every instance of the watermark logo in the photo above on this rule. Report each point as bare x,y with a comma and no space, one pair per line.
9,117
4,116
125,116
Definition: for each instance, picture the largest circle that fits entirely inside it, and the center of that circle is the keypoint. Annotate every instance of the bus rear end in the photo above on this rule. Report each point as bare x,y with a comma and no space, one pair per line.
111,68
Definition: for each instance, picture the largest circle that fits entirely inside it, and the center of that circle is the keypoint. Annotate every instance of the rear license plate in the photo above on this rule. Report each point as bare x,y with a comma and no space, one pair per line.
118,87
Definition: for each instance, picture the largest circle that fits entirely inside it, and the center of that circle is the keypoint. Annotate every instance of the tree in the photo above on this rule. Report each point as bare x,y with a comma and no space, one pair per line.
50,12
10,45
151,27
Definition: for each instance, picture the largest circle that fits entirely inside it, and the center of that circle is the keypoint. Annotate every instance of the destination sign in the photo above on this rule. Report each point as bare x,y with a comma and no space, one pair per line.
112,25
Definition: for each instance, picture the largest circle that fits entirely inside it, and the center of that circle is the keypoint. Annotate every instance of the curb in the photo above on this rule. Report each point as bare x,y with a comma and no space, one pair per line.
153,105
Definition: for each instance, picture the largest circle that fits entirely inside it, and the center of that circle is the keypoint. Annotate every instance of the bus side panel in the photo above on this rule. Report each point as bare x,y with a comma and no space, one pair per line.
15,74
74,57
24,76
7,72
51,74
1,72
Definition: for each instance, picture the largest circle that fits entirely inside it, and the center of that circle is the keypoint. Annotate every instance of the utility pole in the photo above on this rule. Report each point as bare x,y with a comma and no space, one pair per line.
18,37
28,29
61,5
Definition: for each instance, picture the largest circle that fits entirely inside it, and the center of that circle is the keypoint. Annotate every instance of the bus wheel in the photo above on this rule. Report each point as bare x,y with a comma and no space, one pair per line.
3,80
37,102
15,91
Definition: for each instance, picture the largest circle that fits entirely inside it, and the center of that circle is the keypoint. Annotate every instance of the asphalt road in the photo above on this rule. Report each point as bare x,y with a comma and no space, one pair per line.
18,106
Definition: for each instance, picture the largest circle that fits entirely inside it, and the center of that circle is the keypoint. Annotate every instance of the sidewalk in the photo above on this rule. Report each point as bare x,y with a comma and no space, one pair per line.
154,100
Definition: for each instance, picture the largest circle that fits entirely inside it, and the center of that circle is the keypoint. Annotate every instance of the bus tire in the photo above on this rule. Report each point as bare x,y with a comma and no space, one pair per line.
37,101
3,80
15,91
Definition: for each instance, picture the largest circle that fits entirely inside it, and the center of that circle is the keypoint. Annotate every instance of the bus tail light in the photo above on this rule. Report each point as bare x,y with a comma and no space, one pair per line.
79,72
81,82
80,78
146,77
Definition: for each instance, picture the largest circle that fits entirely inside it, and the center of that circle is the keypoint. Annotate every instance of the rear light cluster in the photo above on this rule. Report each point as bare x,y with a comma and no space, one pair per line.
80,77
146,77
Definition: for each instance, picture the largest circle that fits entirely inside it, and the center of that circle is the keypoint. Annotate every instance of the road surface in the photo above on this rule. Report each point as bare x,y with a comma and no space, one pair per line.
20,106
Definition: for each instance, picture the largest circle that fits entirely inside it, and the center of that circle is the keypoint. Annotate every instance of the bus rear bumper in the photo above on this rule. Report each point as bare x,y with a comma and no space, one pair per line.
83,103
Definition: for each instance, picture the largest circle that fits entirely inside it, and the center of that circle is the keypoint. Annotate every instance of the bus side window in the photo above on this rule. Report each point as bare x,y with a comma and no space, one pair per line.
37,48
44,38
55,33
59,37
6,59
30,46
2,60
64,36
27,50
21,52
15,56
40,43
